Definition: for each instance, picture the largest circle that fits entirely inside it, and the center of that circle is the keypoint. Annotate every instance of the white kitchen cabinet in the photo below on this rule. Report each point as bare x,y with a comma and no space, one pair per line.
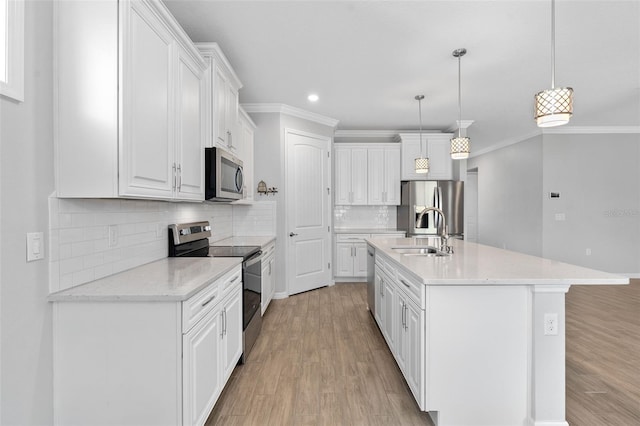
201,371
384,175
350,175
245,152
222,107
436,147
113,359
129,124
351,255
268,276
409,332
379,297
389,316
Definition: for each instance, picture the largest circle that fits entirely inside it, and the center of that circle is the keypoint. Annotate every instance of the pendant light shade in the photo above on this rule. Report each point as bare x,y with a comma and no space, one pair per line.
553,107
461,145
422,162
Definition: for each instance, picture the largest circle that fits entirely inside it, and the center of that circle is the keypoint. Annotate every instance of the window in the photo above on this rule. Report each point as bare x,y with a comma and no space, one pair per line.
12,49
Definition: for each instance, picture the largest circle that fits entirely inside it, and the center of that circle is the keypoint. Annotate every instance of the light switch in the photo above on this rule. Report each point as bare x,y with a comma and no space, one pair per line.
35,246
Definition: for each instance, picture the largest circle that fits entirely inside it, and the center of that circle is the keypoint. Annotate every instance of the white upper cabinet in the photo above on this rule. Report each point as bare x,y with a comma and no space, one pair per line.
222,103
246,129
384,175
350,175
128,102
436,146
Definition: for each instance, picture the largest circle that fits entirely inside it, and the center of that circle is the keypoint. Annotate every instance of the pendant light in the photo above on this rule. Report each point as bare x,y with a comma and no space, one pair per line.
460,146
422,162
553,107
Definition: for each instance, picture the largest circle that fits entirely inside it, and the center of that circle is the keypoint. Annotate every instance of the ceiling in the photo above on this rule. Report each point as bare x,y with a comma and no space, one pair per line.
368,59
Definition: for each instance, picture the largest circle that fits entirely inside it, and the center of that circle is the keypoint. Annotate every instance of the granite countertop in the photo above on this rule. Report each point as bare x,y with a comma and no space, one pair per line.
474,263
245,241
168,279
367,231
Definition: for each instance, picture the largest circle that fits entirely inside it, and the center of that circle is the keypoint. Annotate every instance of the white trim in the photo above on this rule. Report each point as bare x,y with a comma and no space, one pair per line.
565,130
547,423
221,61
289,110
630,275
552,288
246,117
280,295
14,86
346,134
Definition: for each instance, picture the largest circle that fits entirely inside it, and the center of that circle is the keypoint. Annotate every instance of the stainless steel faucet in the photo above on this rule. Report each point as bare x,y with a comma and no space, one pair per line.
444,233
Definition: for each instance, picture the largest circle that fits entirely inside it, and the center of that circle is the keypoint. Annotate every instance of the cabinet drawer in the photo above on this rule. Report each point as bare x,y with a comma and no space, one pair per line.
414,290
389,235
197,306
269,250
229,281
351,238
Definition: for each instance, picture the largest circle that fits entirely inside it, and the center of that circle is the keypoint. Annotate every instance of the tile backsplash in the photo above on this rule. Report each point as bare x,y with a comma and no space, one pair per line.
383,217
81,249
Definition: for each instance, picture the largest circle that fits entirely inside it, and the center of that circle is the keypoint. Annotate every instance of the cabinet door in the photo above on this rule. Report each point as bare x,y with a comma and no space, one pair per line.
360,260
414,351
342,164
389,313
391,186
231,332
231,117
440,163
379,301
201,381
190,129
267,284
399,325
220,107
147,140
247,160
344,260
359,176
376,173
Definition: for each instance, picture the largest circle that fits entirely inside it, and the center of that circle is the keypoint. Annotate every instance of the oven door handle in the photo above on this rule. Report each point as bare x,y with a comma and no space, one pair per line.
253,259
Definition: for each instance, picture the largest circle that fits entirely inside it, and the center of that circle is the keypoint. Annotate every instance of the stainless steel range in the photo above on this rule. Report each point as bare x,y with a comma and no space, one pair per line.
191,240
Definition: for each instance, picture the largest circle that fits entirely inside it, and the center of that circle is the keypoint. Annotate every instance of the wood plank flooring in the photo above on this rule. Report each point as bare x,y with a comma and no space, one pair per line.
321,360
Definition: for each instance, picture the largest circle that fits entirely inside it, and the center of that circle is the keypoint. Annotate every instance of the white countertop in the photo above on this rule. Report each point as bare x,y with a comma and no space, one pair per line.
474,263
168,279
367,231
245,241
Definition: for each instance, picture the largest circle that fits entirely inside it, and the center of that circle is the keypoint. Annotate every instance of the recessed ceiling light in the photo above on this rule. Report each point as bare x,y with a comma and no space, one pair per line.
313,97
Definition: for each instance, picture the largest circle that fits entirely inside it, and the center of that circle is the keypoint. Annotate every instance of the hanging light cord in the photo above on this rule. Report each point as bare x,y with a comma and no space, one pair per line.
459,100
553,44
420,114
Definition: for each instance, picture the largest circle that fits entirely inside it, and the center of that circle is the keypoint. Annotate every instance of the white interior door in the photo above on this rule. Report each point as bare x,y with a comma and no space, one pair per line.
307,211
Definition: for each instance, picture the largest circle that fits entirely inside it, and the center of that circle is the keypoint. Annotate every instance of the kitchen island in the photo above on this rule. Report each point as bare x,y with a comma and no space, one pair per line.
479,335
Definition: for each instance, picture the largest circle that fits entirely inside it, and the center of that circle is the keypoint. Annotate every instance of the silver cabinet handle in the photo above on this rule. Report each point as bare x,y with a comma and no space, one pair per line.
292,234
234,280
381,287
224,311
405,283
221,325
179,177
175,179
208,301
403,315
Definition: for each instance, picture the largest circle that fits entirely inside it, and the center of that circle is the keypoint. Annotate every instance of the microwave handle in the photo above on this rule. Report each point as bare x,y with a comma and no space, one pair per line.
239,179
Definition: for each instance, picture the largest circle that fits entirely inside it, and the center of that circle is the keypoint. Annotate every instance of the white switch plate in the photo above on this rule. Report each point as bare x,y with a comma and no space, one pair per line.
560,217
113,235
35,246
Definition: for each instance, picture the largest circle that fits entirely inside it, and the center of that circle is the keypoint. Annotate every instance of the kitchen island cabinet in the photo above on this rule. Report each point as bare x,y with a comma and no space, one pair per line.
470,331
150,346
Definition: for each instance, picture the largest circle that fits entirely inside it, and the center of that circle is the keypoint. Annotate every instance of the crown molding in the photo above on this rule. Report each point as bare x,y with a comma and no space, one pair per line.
564,130
213,50
292,111
346,134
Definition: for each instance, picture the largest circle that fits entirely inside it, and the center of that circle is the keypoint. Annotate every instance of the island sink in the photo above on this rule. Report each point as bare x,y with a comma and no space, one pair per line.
419,251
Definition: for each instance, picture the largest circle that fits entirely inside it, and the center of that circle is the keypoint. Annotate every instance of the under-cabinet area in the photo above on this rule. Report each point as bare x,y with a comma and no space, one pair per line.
151,346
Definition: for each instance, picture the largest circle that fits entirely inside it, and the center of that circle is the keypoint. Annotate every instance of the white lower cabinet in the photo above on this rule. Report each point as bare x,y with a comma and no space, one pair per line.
268,276
351,254
146,362
401,316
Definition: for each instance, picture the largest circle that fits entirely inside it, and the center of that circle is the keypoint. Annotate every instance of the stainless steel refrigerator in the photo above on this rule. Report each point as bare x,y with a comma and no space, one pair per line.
447,195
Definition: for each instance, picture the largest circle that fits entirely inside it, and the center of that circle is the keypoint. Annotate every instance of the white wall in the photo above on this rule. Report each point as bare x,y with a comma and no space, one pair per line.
26,152
269,165
598,178
509,197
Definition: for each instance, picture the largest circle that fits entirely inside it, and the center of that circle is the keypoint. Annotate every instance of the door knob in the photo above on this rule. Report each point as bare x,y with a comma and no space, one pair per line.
292,234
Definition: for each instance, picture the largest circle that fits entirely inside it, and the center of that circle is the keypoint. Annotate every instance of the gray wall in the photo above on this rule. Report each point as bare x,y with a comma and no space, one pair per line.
598,178
509,197
26,164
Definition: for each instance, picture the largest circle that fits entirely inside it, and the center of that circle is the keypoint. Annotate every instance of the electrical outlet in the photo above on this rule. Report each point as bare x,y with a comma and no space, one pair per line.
113,235
550,324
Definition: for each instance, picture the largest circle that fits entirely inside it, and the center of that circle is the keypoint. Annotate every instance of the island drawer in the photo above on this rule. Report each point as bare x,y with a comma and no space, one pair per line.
351,238
414,290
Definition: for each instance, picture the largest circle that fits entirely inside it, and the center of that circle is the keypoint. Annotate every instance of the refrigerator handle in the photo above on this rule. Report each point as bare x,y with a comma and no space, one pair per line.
438,205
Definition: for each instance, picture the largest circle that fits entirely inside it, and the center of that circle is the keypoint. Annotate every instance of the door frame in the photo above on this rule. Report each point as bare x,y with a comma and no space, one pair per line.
285,234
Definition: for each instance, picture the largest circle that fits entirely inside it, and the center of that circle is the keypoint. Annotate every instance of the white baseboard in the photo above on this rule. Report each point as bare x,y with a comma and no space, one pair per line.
350,280
280,295
630,275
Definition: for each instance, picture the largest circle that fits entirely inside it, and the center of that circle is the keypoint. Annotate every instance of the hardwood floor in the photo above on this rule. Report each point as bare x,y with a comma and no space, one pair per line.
321,360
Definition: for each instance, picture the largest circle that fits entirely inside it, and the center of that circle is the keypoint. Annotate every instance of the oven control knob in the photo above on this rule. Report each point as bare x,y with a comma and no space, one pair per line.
184,232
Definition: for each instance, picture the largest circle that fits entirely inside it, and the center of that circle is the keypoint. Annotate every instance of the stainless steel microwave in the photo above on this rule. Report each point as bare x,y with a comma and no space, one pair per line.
224,180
